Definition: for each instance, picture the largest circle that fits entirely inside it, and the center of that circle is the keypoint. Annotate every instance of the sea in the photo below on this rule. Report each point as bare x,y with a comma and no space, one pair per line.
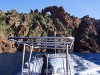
10,63
81,63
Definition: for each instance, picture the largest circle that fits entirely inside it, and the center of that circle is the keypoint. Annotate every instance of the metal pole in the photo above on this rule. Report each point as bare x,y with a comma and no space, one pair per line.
64,67
63,61
67,62
23,59
55,41
31,49
47,66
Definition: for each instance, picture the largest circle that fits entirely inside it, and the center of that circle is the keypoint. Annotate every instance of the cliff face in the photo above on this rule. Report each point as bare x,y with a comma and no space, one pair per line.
87,38
85,30
6,45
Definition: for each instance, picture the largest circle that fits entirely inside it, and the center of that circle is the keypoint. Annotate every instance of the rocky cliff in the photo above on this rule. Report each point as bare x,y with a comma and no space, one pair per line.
86,30
87,38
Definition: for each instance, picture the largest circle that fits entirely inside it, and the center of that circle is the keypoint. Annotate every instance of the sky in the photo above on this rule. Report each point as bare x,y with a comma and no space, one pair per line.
78,8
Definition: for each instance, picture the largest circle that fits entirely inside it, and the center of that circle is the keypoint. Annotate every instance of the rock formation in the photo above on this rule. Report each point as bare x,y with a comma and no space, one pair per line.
51,19
59,12
6,45
86,37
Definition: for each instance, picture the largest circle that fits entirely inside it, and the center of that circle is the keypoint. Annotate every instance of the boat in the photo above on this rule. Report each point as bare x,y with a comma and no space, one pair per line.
46,67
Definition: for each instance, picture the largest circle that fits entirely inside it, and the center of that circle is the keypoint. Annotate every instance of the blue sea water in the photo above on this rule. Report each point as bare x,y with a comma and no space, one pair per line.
10,63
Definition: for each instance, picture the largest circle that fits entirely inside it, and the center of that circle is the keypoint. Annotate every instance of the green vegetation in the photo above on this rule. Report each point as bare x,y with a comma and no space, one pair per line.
37,23
4,27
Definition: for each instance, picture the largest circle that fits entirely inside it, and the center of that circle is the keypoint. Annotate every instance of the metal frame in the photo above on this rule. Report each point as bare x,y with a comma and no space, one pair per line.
48,43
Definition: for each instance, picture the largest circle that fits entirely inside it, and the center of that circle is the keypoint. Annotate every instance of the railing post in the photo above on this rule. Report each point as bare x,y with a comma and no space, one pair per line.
67,61
31,49
47,65
55,33
23,58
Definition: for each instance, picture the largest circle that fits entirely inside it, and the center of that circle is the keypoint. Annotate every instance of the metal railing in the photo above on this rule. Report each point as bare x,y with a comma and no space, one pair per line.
61,43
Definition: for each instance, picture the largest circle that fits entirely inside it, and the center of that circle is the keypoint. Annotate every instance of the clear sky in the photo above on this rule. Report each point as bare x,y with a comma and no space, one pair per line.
78,8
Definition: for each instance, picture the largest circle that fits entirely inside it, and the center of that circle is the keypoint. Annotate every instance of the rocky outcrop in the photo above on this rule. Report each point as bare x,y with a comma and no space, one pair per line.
59,12
6,45
22,29
12,17
86,30
86,38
